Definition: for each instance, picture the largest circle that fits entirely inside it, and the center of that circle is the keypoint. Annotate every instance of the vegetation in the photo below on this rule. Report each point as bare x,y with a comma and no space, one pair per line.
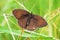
48,9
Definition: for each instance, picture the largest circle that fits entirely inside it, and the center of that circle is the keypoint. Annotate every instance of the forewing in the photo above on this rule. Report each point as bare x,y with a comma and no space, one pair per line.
40,21
19,12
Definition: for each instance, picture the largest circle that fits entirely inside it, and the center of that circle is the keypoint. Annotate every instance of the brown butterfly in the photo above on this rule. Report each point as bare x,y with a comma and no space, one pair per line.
27,20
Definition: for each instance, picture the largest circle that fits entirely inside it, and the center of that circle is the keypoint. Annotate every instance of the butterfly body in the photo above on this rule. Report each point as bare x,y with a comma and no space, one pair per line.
28,20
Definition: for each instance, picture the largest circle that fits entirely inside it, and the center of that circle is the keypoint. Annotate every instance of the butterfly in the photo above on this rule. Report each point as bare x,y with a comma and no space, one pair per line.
28,20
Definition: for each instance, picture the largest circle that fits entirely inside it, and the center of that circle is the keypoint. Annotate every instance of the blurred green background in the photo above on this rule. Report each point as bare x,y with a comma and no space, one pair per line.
48,9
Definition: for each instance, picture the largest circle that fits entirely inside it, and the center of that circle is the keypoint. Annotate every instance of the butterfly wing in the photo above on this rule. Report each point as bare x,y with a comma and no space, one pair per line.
22,22
19,12
36,22
31,26
40,21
